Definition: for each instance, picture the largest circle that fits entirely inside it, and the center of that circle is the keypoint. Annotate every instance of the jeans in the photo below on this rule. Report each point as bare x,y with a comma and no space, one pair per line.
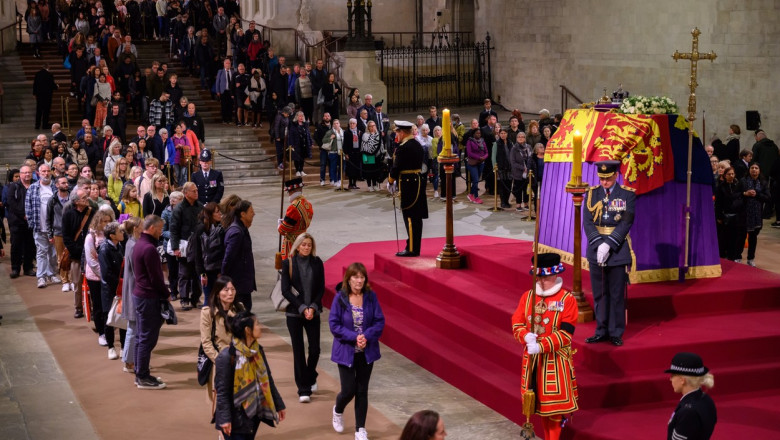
244,435
323,163
305,370
180,174
128,348
148,322
335,167
162,26
354,384
46,255
279,152
475,171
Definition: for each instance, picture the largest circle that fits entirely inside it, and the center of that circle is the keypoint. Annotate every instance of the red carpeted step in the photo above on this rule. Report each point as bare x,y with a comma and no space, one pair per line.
747,416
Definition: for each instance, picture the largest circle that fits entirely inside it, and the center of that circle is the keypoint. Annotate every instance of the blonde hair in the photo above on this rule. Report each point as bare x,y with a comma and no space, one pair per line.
115,174
298,241
706,381
158,176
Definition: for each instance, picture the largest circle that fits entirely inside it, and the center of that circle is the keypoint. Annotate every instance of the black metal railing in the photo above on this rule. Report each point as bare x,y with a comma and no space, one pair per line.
457,74
565,95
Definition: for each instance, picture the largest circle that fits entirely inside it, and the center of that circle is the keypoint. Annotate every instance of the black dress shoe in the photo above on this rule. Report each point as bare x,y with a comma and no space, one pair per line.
14,274
78,314
616,341
30,273
595,339
406,254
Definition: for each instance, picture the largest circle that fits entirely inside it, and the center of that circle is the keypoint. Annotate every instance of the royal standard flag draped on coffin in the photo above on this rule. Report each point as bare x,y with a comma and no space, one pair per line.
641,143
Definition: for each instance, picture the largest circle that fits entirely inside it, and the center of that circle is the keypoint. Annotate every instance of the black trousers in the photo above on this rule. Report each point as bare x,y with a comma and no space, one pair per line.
305,369
189,283
226,101
22,249
98,316
609,289
443,181
488,176
173,275
504,190
42,108
354,384
415,234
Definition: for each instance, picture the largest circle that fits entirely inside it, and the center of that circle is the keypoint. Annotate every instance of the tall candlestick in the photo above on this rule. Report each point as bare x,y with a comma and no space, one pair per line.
576,163
446,126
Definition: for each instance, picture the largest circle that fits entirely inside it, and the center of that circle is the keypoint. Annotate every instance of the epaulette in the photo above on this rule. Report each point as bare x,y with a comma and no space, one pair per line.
628,188
594,187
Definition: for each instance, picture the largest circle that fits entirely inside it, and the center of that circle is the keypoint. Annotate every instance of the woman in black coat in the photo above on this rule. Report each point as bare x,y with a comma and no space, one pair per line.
208,247
353,164
331,95
299,137
258,400
110,258
305,273
755,191
728,202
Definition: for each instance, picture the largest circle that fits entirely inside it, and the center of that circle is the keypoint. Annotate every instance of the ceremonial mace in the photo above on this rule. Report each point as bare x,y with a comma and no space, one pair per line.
529,396
694,56
449,257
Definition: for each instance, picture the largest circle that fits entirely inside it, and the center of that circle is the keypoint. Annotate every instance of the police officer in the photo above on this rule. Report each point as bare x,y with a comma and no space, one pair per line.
210,183
695,416
407,171
607,222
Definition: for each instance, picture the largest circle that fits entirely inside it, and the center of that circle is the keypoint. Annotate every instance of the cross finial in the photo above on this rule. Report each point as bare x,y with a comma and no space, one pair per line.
694,56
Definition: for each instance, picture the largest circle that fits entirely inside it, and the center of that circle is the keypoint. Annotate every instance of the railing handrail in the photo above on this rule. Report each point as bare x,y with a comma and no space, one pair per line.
565,93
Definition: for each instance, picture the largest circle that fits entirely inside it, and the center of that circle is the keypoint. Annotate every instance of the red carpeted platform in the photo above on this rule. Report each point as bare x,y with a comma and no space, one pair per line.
457,324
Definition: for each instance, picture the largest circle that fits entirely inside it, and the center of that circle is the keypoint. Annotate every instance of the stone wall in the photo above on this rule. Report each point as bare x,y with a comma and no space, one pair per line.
588,45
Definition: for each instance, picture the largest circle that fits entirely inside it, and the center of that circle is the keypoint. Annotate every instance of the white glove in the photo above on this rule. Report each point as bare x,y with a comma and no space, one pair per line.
391,187
530,338
602,253
279,222
533,348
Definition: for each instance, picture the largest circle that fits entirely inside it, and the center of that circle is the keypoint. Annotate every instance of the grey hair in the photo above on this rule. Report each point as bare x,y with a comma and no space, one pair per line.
163,130
177,196
351,120
110,229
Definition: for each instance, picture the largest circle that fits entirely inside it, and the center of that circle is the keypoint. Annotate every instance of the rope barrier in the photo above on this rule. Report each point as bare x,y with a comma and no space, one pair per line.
247,161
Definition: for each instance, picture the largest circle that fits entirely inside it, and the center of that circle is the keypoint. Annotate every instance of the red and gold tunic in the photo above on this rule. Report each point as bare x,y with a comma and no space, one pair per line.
556,385
296,220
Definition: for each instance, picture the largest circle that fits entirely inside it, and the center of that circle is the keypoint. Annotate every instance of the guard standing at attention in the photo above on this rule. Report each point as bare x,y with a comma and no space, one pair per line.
407,171
210,183
298,216
544,321
607,222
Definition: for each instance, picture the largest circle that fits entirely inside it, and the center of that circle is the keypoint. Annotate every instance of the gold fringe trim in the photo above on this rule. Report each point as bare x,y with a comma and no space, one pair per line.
644,276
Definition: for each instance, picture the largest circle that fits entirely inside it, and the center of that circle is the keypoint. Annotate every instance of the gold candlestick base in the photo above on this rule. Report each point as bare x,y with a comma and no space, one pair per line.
449,257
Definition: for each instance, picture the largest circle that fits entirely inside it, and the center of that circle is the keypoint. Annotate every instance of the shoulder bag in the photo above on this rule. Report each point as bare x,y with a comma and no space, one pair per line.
204,363
279,301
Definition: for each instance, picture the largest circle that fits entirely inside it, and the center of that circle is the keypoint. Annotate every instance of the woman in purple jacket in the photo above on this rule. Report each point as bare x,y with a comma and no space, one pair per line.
356,321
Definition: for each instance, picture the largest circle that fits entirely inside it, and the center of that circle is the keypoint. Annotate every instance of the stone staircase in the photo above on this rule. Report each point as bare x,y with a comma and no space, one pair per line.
252,145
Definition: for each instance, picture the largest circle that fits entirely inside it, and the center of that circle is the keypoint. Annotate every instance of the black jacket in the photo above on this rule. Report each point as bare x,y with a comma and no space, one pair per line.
15,206
44,85
211,189
110,260
694,418
184,221
226,411
299,303
207,255
54,216
71,221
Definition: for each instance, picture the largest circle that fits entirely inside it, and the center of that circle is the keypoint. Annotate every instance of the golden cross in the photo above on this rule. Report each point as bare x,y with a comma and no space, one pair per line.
694,56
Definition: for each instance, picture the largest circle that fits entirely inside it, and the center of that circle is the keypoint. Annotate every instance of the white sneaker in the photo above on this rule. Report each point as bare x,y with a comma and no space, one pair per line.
102,341
751,263
738,260
314,387
72,287
66,287
303,174
436,193
322,183
41,283
55,280
298,174
304,399
338,421
371,188
361,434
112,354
337,184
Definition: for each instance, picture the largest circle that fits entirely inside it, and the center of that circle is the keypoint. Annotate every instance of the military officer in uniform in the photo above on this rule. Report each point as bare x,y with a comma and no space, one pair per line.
406,175
609,218
210,184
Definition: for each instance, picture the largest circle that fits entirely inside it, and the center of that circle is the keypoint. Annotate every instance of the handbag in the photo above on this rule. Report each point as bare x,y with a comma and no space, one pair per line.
473,162
167,313
115,318
277,298
65,259
369,159
86,302
320,98
66,63
204,363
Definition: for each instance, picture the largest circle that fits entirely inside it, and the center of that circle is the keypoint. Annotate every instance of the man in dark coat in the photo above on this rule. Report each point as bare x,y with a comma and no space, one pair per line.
43,89
22,242
239,262
407,161
607,223
183,222
210,182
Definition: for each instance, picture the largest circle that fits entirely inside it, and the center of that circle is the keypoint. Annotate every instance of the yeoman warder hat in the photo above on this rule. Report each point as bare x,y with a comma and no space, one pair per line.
293,184
547,264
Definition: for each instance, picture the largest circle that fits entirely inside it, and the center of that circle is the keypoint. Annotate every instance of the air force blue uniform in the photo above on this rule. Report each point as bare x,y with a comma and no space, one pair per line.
608,219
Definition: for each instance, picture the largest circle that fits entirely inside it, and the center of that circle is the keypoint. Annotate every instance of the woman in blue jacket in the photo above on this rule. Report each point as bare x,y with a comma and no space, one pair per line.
356,321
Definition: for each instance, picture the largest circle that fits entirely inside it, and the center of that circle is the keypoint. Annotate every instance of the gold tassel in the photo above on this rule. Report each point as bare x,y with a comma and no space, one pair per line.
529,403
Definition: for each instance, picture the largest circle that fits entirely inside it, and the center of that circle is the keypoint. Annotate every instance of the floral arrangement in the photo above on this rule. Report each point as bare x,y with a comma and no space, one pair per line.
653,105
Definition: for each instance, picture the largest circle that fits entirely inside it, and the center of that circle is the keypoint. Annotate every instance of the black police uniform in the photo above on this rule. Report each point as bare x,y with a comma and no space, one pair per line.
407,162
694,418
608,219
211,188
